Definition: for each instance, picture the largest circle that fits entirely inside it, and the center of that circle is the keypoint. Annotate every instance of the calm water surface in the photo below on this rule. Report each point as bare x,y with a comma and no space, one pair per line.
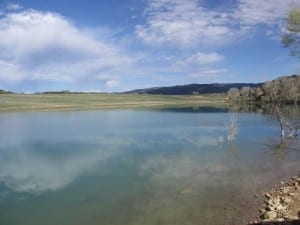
134,167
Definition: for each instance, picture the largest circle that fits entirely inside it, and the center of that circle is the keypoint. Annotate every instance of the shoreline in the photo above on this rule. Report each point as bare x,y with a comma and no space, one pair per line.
280,205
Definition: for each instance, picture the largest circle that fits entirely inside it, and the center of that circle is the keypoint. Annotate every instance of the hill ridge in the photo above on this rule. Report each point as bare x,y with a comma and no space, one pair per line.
193,88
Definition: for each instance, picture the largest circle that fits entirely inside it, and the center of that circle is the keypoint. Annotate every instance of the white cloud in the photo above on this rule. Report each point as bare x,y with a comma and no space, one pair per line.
9,71
13,6
183,23
268,12
203,58
186,23
111,83
44,46
200,65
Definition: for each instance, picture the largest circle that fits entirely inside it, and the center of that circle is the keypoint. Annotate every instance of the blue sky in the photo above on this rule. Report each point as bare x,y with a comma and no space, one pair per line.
121,45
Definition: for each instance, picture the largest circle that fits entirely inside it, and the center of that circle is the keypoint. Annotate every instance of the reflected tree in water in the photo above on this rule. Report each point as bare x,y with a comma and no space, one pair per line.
288,120
232,131
232,127
288,117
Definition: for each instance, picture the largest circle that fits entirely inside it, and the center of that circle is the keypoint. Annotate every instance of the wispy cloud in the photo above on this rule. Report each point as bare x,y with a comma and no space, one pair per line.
186,24
268,12
183,23
199,65
200,59
208,72
13,6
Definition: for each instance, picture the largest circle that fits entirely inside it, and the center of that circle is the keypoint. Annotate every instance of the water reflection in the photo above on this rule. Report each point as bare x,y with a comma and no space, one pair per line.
232,128
287,116
133,167
182,184
31,170
198,184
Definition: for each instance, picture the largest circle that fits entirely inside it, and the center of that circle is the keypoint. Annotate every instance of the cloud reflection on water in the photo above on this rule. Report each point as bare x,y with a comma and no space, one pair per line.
34,171
168,168
42,166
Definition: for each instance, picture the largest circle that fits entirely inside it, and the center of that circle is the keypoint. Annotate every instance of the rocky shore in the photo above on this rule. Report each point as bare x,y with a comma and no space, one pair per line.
281,204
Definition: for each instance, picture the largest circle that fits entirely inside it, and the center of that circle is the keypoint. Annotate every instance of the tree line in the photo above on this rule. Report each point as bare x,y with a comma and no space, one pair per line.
284,89
5,92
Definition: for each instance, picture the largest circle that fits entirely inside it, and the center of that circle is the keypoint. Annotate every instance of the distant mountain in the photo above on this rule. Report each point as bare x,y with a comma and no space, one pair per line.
190,89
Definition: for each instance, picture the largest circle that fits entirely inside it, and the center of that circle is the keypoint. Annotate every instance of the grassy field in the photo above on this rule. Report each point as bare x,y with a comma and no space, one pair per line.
11,102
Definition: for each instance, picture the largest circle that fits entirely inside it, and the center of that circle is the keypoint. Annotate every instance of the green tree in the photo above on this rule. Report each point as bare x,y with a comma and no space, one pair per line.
292,38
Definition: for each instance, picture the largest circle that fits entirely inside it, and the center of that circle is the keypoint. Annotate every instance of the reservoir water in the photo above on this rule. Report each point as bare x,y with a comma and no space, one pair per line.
136,167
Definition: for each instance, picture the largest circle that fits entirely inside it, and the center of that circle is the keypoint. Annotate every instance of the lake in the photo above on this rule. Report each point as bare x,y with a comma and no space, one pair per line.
136,167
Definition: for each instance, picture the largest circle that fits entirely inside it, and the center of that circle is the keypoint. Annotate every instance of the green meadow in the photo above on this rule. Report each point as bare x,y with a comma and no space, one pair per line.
11,102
